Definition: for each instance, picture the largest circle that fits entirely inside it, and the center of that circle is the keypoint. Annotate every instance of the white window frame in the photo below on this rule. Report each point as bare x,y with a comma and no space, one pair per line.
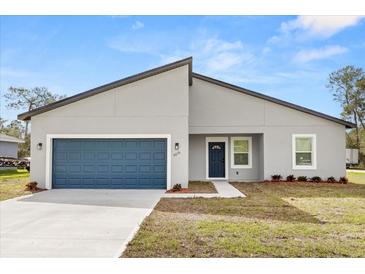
314,151
239,138
216,139
49,149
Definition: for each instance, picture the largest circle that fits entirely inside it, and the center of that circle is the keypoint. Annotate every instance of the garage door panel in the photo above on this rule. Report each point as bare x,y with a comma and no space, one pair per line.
147,144
116,169
131,155
117,155
159,156
109,163
145,156
89,168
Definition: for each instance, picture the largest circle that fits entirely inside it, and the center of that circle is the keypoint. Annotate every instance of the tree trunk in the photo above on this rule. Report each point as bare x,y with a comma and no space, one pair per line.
362,123
26,128
30,107
357,131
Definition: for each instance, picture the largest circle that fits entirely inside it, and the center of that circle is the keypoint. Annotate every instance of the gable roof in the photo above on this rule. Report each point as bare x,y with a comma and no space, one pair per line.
187,61
130,79
273,100
9,139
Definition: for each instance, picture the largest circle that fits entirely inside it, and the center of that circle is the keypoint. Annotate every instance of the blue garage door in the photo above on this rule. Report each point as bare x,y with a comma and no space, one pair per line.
109,163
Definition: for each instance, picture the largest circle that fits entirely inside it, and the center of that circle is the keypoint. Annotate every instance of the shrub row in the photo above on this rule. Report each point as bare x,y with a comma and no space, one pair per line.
21,164
314,179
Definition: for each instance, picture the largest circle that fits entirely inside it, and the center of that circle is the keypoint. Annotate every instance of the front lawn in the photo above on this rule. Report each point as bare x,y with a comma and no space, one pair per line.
12,183
356,177
274,220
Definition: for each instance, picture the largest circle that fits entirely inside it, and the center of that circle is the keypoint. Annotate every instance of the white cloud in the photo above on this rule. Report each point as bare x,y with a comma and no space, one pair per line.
224,61
306,27
138,42
317,54
324,25
231,60
216,55
137,25
210,54
266,50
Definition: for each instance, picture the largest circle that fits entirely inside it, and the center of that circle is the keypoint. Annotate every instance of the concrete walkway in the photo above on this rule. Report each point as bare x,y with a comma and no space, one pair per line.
224,189
73,222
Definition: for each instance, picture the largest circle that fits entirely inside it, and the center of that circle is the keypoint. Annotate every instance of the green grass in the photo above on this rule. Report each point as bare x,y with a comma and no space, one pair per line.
274,220
12,183
14,174
356,177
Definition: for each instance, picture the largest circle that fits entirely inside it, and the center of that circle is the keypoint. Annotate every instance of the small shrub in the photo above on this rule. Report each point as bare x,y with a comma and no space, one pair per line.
275,177
331,180
316,179
31,186
176,187
343,180
302,178
290,178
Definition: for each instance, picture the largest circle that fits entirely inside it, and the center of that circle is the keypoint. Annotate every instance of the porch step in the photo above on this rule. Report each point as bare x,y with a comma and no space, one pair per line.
226,190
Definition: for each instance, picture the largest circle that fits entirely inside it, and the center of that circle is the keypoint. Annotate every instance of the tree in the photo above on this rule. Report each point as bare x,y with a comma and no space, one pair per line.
29,99
346,85
360,90
2,123
15,128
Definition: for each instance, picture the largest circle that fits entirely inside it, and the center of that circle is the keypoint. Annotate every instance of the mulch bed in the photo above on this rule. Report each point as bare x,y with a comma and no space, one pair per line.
182,191
308,181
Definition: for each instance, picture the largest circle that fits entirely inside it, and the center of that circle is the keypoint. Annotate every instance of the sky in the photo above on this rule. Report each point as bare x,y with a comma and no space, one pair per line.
287,57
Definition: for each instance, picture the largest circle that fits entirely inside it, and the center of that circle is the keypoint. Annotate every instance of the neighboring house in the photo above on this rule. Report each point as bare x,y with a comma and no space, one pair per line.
169,125
9,146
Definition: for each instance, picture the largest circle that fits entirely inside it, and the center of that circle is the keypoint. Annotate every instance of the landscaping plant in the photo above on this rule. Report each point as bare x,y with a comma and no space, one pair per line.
302,178
275,177
31,186
176,187
316,179
331,180
343,180
290,178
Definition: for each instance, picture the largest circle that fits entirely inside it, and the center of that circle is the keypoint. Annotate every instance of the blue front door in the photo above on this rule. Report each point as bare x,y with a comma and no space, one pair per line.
217,160
109,163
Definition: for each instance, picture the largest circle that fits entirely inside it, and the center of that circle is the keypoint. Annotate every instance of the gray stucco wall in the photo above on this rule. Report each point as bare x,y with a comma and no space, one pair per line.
155,105
218,110
9,149
197,163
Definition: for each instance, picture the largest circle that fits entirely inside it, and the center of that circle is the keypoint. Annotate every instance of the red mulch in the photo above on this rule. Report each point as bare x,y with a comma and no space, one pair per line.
296,181
183,190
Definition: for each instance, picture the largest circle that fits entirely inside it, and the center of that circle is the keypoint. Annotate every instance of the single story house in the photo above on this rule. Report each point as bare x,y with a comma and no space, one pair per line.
9,146
168,125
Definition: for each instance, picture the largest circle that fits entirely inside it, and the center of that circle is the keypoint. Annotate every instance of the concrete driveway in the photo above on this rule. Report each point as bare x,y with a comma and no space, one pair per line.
73,223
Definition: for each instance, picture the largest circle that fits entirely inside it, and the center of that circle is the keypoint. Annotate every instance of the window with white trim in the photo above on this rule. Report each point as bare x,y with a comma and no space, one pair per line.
304,151
241,152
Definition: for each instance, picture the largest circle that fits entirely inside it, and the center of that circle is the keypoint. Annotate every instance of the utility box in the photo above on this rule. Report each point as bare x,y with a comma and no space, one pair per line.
352,156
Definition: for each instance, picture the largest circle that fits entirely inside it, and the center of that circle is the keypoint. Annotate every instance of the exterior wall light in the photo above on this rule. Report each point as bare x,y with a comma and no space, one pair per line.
39,146
177,146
